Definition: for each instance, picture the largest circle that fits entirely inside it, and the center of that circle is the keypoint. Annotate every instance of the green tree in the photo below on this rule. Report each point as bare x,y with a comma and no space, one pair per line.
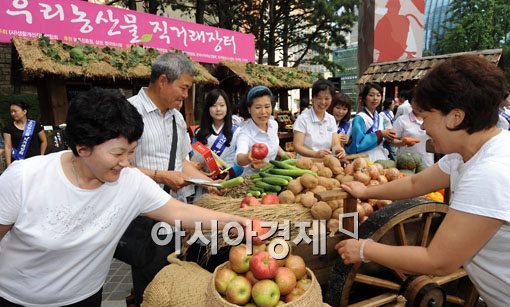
476,25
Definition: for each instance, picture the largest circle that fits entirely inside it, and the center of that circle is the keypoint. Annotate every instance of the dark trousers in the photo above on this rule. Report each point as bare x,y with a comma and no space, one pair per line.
142,276
91,301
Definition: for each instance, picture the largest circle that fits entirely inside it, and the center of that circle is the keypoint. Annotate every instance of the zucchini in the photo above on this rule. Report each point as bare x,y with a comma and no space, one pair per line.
256,175
280,164
263,175
232,182
268,187
275,181
294,173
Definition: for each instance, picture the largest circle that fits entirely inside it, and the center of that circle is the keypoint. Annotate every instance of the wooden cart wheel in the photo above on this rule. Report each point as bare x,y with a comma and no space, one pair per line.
407,222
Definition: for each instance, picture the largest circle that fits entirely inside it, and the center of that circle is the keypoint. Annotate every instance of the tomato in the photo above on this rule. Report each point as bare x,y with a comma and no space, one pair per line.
259,151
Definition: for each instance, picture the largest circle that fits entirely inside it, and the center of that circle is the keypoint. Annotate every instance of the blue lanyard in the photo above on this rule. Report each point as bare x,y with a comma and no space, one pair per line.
375,125
219,145
19,154
343,127
388,115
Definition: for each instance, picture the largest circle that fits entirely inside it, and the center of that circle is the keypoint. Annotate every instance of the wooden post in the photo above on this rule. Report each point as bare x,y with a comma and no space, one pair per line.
53,101
350,204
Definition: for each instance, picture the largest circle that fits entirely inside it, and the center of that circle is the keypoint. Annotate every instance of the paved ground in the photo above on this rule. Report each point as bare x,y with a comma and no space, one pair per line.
118,285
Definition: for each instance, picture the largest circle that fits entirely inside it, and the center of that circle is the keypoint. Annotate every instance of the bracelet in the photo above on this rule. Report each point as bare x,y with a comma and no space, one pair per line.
362,247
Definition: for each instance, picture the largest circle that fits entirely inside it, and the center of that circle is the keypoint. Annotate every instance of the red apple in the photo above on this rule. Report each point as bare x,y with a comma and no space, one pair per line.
239,259
265,293
223,278
260,230
286,280
297,265
294,295
239,290
304,283
259,151
263,266
270,199
249,201
249,275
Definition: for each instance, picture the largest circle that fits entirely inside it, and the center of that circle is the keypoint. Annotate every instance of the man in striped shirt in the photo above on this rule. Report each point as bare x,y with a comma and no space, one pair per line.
159,103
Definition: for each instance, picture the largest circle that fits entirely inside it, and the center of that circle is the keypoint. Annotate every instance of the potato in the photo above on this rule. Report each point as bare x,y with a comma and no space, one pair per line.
309,181
334,183
333,204
318,189
382,179
368,209
333,225
287,197
297,200
359,164
349,169
321,211
362,177
373,172
308,199
314,168
337,213
392,173
304,163
334,164
325,172
295,186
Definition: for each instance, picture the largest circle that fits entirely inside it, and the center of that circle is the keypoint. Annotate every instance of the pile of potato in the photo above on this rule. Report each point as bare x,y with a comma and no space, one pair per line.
330,176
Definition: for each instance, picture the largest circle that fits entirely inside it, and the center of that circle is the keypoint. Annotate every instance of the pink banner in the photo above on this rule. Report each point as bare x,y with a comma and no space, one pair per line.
100,25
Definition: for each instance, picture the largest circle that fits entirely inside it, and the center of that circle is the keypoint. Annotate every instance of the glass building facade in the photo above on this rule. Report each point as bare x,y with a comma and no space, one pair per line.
436,13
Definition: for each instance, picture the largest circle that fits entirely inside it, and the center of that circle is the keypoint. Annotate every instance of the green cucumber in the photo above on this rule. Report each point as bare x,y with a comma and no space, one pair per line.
276,181
256,179
291,162
268,187
256,175
254,188
264,175
284,156
232,182
254,193
294,173
280,164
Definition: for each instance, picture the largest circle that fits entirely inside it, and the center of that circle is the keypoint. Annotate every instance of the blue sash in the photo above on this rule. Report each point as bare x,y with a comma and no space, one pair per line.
19,154
505,116
343,127
375,125
219,145
388,115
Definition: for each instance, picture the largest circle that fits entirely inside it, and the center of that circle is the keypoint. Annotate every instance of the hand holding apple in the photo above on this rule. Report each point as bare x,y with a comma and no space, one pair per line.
259,151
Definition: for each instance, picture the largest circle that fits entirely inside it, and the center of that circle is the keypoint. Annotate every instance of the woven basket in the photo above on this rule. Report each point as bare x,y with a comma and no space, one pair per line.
311,298
179,284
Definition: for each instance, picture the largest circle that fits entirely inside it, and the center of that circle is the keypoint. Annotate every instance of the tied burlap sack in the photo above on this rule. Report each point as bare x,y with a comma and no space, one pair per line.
311,298
179,284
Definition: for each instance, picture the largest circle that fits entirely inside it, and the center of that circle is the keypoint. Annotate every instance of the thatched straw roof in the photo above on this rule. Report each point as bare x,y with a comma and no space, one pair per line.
40,59
271,76
414,69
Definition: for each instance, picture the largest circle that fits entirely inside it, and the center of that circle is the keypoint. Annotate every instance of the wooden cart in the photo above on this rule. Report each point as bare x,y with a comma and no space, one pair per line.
408,222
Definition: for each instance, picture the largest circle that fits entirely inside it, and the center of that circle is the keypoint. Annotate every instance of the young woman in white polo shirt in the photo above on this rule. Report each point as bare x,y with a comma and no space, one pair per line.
315,130
217,130
260,128
409,125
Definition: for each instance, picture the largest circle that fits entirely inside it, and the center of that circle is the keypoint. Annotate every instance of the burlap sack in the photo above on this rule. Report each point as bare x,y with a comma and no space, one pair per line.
179,284
311,298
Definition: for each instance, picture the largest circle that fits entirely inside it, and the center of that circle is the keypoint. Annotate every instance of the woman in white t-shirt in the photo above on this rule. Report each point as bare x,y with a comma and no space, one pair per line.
315,130
458,101
260,128
217,130
62,215
409,125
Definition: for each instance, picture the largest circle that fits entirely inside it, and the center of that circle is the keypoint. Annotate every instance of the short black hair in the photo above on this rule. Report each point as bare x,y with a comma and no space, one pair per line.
466,82
99,115
367,88
341,99
23,105
254,92
323,85
387,103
